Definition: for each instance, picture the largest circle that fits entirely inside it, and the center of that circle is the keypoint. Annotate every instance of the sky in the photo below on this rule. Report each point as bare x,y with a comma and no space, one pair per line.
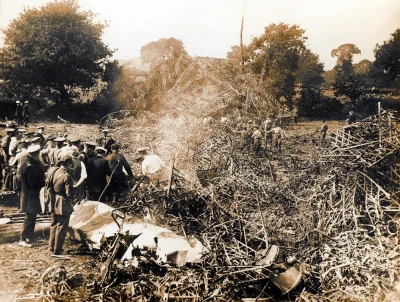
211,27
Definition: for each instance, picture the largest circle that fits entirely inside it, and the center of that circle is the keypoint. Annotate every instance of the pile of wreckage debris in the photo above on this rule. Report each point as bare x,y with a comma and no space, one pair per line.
320,227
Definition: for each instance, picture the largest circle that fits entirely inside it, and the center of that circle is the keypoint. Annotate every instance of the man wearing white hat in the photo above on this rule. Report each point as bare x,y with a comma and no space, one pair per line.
32,180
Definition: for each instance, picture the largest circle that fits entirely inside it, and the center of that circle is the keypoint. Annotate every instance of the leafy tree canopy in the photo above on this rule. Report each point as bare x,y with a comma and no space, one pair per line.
275,56
387,58
53,49
345,52
155,50
310,69
363,67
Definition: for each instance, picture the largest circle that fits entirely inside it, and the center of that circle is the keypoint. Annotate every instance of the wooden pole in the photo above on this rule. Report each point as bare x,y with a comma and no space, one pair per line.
241,44
380,126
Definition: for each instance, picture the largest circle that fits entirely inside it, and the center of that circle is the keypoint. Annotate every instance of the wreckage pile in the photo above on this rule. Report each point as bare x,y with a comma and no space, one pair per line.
320,228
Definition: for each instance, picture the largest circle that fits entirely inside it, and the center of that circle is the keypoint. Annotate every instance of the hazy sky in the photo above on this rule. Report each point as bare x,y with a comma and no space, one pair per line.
211,27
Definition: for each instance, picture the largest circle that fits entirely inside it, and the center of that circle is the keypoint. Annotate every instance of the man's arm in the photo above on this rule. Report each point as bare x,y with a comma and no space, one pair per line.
126,166
83,175
69,186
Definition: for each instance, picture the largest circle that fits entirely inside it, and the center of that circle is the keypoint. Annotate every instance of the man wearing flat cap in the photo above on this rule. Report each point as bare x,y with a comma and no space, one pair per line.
32,180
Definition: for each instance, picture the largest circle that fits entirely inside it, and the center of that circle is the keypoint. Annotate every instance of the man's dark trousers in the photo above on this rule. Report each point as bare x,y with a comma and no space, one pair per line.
58,231
29,227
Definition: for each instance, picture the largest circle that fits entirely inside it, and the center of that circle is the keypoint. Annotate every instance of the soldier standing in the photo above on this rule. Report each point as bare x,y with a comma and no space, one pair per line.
62,207
118,181
32,180
97,171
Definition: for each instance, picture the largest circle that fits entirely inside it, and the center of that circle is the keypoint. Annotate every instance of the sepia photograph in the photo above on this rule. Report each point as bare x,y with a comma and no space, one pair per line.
199,150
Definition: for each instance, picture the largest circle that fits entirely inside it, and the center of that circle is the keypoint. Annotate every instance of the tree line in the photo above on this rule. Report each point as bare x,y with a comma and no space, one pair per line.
54,53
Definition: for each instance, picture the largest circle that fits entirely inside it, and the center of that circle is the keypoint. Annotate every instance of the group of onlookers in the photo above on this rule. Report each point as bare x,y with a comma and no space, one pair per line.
73,171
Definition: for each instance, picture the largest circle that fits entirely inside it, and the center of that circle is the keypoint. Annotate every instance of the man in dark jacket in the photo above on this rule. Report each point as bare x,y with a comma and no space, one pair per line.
97,172
118,164
61,208
32,180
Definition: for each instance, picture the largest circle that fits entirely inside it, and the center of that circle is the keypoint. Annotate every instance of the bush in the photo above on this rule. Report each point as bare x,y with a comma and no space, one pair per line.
312,103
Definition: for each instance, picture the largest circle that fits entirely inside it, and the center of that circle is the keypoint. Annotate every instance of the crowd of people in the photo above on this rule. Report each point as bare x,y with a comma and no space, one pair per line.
34,164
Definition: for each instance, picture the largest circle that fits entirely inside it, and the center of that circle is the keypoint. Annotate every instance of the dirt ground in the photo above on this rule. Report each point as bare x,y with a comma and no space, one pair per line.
21,268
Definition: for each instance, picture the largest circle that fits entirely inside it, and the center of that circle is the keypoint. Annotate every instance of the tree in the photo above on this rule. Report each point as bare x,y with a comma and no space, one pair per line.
345,52
363,67
347,82
155,50
275,57
387,59
51,50
310,69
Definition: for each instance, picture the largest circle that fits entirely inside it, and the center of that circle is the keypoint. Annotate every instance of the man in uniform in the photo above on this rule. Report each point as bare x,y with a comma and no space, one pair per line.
32,180
62,208
55,152
87,152
118,181
106,141
97,171
47,149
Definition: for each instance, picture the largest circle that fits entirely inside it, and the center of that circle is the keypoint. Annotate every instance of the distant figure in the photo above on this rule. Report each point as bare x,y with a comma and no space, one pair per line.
277,135
18,112
352,118
256,136
295,113
267,126
25,114
322,131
